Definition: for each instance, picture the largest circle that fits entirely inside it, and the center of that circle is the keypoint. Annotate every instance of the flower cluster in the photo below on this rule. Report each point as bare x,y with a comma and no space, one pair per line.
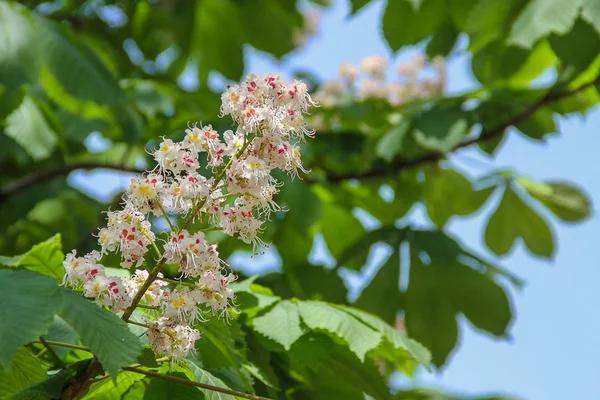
410,84
234,192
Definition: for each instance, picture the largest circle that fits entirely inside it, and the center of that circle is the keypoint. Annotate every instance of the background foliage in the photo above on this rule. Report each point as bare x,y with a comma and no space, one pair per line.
70,68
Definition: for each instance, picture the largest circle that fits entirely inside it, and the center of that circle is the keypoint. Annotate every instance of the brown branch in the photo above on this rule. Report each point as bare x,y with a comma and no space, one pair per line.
485,135
195,384
38,177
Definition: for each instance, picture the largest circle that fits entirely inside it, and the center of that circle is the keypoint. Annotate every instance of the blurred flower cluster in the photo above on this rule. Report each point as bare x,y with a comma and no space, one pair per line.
234,195
370,81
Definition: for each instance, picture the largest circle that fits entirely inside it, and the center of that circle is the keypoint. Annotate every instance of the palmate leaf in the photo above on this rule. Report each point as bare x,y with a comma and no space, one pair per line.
281,324
514,219
322,317
45,258
28,302
382,295
107,336
24,370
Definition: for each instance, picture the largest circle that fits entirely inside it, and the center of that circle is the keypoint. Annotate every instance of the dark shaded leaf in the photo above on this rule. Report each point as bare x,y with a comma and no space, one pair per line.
28,301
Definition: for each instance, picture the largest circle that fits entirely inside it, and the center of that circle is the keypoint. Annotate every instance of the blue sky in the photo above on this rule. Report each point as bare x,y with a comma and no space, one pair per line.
553,352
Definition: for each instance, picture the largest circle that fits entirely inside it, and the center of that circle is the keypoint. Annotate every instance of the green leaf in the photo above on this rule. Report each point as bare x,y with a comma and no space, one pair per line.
391,142
337,219
281,324
404,24
357,5
28,301
160,389
443,40
479,298
28,127
24,370
259,363
78,70
382,295
448,192
218,345
251,294
18,59
513,219
591,13
60,331
538,125
440,129
429,316
577,46
396,339
342,376
107,336
485,20
323,317
263,17
388,234
53,386
511,65
107,390
539,18
567,202
45,258
209,39
304,205
202,376
147,358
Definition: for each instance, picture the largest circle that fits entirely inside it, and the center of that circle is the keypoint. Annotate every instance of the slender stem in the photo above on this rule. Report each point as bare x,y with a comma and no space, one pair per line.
61,344
176,282
211,229
56,358
155,247
148,307
137,323
158,360
195,384
162,209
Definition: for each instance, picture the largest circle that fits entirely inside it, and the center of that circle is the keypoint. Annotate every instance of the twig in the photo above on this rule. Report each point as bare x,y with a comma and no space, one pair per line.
59,362
61,344
100,378
38,177
195,384
137,323
401,164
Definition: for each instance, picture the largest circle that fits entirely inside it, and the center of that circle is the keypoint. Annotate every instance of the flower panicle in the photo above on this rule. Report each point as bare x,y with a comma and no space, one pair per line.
235,194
